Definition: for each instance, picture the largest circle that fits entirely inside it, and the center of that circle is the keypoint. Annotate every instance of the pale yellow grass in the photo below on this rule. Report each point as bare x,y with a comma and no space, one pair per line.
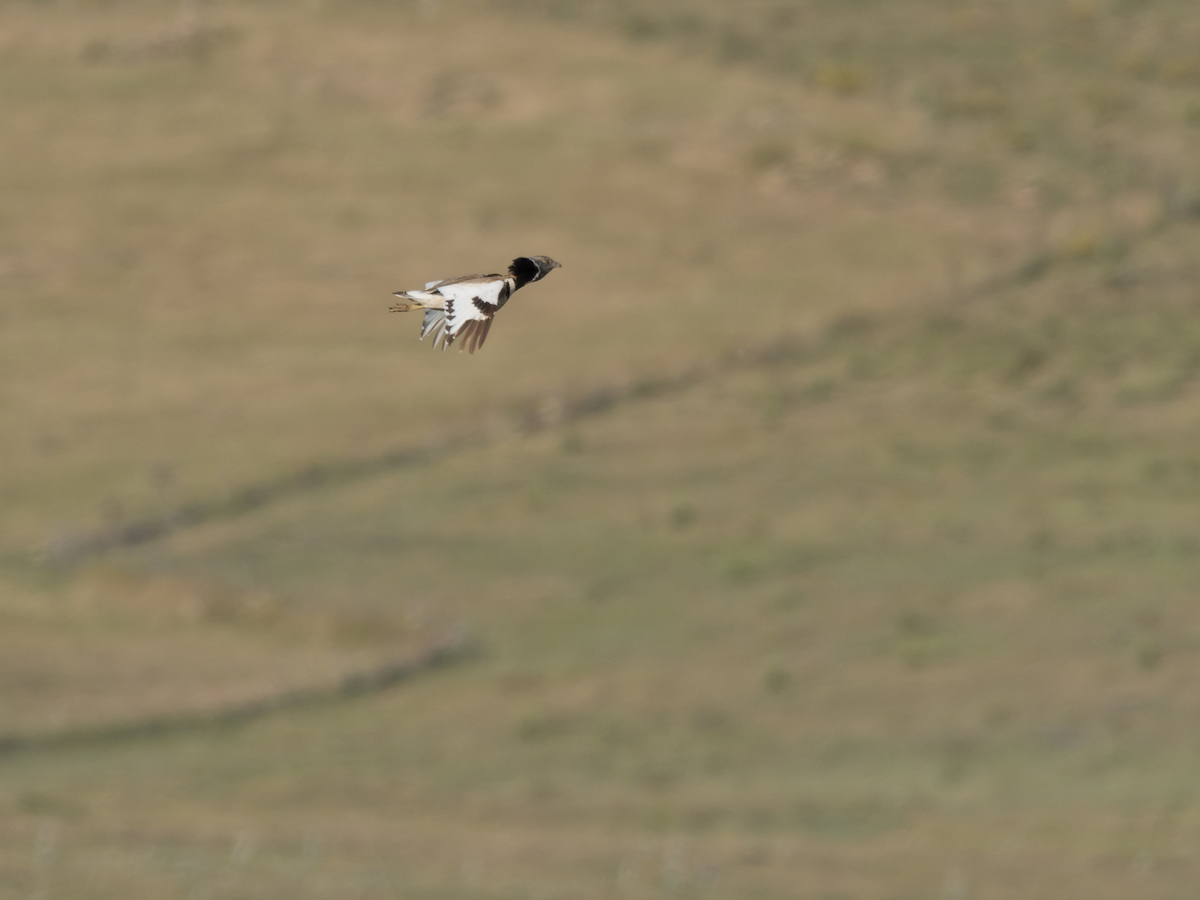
204,246
902,609
119,650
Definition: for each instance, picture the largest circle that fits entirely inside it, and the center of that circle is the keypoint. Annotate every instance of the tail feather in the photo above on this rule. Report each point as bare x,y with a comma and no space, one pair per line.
417,300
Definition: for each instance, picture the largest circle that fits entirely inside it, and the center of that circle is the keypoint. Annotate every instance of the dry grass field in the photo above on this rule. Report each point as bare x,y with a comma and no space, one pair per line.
825,528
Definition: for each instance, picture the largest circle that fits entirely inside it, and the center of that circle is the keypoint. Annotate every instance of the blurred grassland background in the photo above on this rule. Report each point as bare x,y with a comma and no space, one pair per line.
827,527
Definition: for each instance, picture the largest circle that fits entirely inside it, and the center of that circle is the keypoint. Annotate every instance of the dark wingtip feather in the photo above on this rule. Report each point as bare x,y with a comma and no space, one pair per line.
465,335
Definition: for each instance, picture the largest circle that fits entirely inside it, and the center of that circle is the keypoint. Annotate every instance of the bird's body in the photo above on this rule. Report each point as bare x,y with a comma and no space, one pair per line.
463,307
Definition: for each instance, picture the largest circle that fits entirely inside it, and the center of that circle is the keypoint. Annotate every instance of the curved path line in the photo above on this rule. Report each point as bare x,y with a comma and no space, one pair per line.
533,415
447,650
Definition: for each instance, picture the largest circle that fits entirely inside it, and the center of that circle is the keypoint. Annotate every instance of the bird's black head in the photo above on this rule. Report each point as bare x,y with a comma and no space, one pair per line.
531,268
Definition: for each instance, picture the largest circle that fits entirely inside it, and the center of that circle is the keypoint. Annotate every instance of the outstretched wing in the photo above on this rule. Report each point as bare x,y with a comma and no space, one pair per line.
469,308
458,308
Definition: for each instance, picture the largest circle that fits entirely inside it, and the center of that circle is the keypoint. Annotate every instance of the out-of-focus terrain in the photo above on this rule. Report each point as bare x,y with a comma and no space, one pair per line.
826,527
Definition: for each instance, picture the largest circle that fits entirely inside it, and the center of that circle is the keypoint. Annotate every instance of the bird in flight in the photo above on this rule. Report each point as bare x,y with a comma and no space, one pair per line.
463,307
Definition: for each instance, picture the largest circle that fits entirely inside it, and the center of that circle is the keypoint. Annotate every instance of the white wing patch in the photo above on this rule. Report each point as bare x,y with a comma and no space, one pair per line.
458,308
469,308
466,298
